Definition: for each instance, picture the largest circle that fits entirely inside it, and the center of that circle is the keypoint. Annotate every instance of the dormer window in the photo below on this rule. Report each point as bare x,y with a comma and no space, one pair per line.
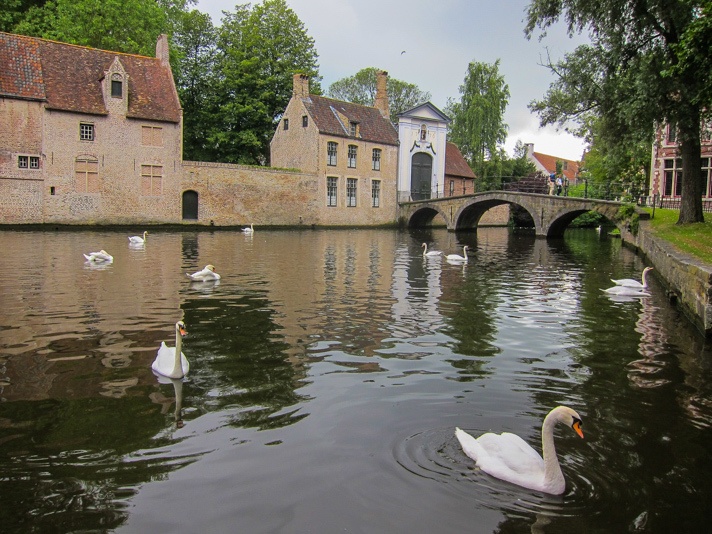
117,86
353,128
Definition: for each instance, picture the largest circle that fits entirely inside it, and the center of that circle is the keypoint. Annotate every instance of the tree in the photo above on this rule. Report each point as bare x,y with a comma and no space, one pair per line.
640,70
478,126
361,89
194,47
260,49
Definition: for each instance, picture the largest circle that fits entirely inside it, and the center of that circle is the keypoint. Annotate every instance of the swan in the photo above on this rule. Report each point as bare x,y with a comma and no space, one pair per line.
170,361
508,457
629,282
457,257
627,291
250,230
206,274
99,257
430,254
137,239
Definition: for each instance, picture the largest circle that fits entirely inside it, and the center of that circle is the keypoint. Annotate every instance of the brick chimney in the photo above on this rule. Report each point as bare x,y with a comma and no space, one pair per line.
301,85
381,102
162,50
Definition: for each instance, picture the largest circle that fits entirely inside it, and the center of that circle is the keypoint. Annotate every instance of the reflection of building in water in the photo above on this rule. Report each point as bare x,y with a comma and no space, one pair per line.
648,371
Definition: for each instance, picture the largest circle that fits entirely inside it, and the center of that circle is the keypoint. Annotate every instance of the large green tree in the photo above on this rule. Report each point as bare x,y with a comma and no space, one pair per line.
361,89
478,126
640,70
260,49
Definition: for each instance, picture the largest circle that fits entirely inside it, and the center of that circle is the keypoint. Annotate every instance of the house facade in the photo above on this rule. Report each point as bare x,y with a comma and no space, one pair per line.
547,164
666,165
87,135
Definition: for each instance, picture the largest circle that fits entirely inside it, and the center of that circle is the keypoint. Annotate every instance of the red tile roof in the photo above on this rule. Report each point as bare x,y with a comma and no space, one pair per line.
373,126
455,164
68,78
549,163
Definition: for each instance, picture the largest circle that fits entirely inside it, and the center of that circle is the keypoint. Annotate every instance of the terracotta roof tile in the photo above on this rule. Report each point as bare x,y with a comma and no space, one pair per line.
373,126
549,163
69,78
455,164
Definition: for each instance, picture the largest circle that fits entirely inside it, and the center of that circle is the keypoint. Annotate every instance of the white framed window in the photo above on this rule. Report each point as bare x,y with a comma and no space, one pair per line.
672,185
23,162
376,159
352,156
86,131
351,189
331,149
286,124
353,128
331,190
375,193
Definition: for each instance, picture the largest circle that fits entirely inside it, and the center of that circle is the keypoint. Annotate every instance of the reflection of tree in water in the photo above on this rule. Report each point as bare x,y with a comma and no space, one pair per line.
238,361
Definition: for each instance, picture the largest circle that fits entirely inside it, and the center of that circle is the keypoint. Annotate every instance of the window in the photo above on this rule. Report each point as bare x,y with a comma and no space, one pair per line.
452,188
673,177
331,190
375,193
151,135
34,162
117,88
353,128
706,173
671,134
286,124
86,173
331,153
305,121
376,159
352,156
23,162
351,185
86,132
565,166
151,180
423,132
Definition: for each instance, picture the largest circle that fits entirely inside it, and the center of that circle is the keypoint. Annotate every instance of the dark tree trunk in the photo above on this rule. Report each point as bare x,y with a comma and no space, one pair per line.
692,180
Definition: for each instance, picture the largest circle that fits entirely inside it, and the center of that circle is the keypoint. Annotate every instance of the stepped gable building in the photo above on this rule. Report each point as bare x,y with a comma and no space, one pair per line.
547,164
352,149
87,135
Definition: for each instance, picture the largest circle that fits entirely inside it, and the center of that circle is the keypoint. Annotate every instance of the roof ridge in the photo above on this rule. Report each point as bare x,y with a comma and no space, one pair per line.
85,47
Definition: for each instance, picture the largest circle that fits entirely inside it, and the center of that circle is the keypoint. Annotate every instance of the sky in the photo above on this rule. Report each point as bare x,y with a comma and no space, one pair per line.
431,43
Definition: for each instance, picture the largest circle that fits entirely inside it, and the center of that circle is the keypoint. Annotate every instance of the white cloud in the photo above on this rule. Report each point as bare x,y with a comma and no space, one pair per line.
440,39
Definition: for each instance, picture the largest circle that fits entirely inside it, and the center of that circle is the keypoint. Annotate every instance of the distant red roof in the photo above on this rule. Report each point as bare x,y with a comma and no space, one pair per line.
549,163
373,126
68,78
455,164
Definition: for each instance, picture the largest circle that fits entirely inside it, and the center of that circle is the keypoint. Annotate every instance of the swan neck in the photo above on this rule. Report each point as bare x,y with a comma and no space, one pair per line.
552,469
645,279
177,364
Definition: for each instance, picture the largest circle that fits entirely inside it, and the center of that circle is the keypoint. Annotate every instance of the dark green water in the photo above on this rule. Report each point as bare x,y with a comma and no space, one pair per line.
328,372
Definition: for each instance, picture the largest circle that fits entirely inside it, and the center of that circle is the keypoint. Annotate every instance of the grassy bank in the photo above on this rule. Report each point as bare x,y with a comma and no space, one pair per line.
694,239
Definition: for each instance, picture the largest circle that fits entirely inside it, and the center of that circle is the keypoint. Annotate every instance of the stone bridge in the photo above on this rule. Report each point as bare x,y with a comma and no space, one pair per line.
551,214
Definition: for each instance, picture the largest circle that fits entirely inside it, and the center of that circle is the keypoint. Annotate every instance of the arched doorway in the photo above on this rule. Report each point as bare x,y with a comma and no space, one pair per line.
190,205
421,169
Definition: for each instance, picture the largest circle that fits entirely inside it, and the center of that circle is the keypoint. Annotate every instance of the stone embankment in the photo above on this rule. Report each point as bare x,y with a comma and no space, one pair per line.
687,279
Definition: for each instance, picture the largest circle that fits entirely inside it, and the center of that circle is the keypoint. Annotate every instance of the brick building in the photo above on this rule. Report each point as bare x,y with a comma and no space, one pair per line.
547,164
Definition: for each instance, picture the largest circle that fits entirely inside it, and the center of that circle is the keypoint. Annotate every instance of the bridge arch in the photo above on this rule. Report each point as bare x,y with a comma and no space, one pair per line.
470,212
425,215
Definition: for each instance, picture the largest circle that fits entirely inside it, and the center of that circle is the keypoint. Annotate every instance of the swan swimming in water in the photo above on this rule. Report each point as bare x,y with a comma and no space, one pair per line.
629,282
250,230
508,457
457,257
99,257
170,361
137,239
626,291
208,273
430,254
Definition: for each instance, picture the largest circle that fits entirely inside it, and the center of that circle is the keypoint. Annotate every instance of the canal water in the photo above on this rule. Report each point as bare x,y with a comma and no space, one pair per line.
329,370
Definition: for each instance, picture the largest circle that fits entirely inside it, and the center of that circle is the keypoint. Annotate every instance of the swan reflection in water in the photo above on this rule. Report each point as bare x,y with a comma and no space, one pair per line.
166,401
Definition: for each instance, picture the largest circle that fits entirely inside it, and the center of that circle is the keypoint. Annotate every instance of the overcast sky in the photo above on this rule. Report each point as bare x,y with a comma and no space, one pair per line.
440,38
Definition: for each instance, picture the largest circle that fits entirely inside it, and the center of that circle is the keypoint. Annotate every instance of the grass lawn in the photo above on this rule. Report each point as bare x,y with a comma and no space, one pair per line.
694,239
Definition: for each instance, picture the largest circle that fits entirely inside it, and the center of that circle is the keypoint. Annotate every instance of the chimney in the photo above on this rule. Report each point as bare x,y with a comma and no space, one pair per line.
301,85
530,149
162,50
381,102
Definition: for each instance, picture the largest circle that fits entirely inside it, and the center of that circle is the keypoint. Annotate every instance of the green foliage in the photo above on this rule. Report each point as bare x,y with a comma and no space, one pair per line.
478,126
627,214
617,78
590,219
361,89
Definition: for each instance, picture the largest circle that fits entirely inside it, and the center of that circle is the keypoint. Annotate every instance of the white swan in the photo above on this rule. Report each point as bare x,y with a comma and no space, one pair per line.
430,254
99,257
629,282
208,273
627,291
457,257
137,239
508,457
170,361
250,230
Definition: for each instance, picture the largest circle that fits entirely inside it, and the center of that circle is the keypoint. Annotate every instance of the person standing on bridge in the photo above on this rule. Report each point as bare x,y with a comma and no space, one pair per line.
552,183
559,185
